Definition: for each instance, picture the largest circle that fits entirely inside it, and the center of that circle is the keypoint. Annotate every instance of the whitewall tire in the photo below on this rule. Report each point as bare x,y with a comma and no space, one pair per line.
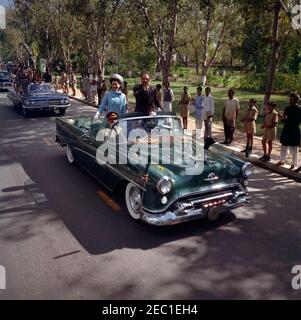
70,156
133,199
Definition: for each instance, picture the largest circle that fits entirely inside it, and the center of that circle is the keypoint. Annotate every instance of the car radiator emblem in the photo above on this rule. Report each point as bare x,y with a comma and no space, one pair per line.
211,177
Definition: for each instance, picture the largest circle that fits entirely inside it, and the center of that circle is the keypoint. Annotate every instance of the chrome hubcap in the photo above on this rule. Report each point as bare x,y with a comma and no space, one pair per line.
135,200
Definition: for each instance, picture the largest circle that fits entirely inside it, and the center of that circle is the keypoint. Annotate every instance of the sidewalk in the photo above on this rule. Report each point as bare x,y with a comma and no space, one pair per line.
238,144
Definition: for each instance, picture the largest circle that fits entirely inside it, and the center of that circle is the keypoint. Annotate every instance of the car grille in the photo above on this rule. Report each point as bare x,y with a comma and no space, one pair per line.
207,200
48,102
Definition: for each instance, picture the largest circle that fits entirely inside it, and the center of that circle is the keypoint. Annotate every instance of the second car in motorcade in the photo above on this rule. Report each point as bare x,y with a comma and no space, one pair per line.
40,96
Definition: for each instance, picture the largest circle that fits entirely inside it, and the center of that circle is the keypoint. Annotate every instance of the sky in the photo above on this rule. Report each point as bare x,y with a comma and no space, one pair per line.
4,2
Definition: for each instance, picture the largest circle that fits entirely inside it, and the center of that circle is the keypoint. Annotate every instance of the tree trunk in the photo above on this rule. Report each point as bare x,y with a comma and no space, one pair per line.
197,65
274,57
204,74
165,71
101,64
158,65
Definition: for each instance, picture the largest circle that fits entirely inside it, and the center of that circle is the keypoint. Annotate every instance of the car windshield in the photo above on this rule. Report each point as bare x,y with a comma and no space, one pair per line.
148,126
5,76
40,88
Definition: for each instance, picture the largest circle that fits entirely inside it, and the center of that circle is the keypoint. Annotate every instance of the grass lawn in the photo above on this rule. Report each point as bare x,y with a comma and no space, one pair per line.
220,95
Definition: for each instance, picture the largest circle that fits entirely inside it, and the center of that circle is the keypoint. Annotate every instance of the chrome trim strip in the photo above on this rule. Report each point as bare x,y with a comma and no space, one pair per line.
149,117
217,188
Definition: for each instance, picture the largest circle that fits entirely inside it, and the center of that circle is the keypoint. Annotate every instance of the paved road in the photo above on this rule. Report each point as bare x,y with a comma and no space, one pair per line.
59,240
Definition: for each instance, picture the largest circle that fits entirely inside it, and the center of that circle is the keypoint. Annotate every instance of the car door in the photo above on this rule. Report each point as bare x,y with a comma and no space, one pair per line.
89,144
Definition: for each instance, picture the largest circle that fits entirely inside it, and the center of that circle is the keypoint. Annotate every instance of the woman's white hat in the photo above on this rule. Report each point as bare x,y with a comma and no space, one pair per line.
117,77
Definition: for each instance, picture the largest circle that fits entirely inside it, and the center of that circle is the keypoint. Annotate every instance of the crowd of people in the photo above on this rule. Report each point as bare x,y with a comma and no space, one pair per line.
23,75
152,99
149,100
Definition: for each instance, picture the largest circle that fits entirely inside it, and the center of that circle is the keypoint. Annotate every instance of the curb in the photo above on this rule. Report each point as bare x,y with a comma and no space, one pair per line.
265,165
83,102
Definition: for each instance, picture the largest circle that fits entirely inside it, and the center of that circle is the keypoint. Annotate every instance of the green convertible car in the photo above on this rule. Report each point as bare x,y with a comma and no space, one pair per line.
169,176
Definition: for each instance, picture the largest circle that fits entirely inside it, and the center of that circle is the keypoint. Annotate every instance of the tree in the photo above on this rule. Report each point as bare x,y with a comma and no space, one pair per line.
161,26
102,20
215,19
276,45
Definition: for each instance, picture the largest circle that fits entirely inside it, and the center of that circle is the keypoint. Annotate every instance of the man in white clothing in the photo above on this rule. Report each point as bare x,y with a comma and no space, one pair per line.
93,87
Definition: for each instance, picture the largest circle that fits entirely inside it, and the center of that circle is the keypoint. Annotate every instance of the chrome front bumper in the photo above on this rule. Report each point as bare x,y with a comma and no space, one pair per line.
45,107
198,208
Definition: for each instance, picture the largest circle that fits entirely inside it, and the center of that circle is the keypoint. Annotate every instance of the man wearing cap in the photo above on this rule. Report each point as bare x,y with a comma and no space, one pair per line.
103,134
114,100
145,96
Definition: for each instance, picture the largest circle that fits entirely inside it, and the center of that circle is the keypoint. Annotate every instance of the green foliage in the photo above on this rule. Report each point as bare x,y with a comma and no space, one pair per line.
284,83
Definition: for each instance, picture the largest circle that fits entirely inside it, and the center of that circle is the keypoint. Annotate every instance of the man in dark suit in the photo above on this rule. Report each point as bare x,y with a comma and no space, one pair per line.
145,96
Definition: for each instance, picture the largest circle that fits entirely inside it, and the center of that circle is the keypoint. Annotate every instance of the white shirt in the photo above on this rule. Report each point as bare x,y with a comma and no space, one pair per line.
208,104
93,87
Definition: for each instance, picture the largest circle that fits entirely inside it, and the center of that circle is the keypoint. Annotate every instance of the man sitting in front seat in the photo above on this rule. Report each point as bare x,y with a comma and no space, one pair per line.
103,132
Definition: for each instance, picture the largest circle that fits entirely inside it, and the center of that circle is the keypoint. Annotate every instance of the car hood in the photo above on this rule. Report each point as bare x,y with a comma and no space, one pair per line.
217,171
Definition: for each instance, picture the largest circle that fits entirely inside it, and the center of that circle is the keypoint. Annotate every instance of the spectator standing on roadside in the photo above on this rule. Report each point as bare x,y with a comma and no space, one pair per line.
65,82
93,87
81,81
24,80
125,90
208,112
199,109
249,120
270,130
184,102
104,88
86,87
230,116
55,81
145,96
114,100
99,81
168,97
290,136
73,83
47,77
159,95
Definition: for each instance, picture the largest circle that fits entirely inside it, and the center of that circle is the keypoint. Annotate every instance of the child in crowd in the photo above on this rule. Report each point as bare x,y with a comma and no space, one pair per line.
270,130
249,120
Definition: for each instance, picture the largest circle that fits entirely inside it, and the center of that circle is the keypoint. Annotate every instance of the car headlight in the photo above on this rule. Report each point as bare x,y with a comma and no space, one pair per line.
64,101
164,185
247,169
29,102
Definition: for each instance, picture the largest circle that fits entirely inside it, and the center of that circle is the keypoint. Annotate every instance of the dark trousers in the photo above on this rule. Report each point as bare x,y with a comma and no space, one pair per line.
99,93
229,133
